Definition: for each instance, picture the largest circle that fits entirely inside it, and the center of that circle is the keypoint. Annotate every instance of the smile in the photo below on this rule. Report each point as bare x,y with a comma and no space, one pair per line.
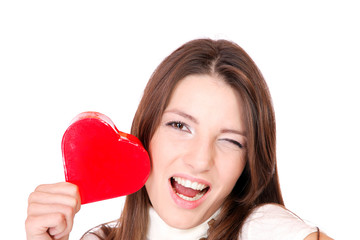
188,190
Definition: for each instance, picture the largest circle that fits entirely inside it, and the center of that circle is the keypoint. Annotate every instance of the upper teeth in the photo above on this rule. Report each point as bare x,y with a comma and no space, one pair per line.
189,184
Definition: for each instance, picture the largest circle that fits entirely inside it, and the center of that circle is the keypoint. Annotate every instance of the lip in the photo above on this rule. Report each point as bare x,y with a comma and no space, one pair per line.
184,203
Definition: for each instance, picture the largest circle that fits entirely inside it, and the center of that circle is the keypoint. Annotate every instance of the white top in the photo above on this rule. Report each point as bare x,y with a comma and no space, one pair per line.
273,222
270,221
159,230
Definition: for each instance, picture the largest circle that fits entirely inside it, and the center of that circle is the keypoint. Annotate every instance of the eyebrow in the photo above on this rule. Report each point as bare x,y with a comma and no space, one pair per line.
185,115
193,119
234,131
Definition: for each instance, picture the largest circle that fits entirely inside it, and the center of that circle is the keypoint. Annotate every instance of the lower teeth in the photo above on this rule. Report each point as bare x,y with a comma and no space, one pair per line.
197,197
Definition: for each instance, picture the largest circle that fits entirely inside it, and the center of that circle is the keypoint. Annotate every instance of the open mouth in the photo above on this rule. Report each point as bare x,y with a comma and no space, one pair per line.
188,190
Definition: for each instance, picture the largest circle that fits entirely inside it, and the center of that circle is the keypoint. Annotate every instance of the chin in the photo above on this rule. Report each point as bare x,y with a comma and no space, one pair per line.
186,218
183,223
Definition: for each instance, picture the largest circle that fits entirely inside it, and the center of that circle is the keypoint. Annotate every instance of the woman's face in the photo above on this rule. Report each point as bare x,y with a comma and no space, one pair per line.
197,152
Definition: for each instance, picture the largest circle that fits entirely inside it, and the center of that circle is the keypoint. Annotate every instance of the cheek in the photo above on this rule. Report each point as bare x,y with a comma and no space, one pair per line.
154,151
153,183
228,178
157,156
164,149
231,171
234,176
160,156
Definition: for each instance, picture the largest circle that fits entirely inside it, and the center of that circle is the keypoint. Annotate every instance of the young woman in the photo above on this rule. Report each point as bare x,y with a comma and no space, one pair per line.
207,120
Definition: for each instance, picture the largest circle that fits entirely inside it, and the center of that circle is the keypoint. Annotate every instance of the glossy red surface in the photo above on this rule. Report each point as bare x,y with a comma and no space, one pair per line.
102,161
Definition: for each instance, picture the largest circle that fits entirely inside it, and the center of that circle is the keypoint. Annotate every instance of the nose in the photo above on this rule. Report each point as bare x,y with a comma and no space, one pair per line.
200,156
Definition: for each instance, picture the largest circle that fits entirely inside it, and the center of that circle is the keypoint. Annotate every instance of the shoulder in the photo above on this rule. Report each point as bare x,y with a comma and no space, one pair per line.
274,222
93,234
90,236
97,233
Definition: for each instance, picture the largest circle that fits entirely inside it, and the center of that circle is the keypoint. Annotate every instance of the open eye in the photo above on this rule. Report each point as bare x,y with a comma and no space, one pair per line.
178,126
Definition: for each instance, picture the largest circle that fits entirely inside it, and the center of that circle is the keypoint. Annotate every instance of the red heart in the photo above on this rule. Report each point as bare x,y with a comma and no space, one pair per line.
102,161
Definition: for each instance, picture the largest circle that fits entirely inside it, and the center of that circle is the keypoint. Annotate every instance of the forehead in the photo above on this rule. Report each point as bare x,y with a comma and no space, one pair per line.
205,96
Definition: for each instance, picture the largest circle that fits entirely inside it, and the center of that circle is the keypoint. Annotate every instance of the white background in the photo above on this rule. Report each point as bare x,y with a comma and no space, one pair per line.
60,58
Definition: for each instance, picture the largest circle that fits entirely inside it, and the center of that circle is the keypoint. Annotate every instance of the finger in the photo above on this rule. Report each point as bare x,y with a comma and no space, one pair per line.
36,209
58,211
37,226
50,198
38,212
63,188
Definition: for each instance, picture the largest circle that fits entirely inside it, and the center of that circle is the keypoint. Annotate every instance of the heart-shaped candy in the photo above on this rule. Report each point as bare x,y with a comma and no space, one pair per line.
102,161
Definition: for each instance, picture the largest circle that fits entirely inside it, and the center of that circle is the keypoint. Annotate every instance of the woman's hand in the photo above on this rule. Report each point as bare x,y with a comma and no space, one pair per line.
51,211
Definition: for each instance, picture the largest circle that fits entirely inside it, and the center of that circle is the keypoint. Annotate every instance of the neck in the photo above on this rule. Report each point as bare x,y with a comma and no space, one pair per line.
159,230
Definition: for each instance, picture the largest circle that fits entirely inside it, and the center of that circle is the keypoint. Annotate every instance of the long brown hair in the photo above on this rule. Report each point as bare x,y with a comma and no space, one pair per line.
258,184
